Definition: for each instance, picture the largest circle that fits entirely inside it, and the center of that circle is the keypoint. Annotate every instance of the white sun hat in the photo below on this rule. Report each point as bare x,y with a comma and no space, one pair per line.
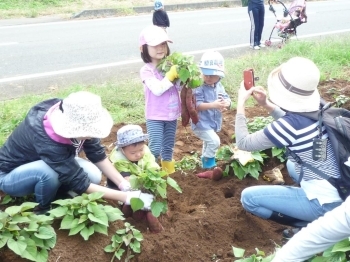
293,85
81,115
130,134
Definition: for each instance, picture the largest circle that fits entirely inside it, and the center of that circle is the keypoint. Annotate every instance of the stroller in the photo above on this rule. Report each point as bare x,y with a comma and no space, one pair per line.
293,17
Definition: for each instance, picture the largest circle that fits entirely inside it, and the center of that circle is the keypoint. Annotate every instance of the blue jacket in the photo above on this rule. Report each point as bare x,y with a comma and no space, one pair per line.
210,119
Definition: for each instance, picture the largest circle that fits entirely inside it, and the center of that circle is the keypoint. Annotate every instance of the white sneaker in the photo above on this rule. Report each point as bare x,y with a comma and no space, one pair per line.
262,45
256,47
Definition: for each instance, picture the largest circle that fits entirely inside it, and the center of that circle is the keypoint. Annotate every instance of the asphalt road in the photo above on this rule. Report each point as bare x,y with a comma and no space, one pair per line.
35,58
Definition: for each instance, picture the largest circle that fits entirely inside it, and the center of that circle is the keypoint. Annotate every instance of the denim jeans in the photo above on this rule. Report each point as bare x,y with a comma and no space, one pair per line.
291,201
38,178
211,142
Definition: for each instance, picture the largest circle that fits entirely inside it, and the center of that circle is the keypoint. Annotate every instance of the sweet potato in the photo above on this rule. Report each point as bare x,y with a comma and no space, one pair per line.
185,115
215,174
207,174
191,106
153,223
127,211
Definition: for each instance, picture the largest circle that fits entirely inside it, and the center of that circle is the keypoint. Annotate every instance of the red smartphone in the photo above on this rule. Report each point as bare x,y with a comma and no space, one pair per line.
248,76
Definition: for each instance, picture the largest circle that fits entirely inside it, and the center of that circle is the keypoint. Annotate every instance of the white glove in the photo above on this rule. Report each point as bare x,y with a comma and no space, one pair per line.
124,186
146,198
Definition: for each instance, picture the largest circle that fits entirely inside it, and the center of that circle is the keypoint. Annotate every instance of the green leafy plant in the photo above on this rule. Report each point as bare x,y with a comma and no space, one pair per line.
28,235
240,165
258,123
280,153
127,239
154,182
187,163
341,100
188,70
85,214
336,252
258,257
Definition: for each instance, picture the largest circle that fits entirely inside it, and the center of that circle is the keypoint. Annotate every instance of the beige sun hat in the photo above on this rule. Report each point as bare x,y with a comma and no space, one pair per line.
82,116
293,85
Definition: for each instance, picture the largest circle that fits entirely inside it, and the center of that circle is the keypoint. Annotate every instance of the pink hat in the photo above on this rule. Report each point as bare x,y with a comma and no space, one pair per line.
153,35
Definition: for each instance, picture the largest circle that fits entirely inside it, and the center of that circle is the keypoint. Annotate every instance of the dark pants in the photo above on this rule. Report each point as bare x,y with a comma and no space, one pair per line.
257,15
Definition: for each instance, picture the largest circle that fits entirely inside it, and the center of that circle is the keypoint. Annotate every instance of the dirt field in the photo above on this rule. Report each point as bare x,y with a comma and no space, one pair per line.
204,221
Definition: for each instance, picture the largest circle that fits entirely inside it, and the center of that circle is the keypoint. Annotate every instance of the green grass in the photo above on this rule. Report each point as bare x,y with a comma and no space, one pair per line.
124,99
35,8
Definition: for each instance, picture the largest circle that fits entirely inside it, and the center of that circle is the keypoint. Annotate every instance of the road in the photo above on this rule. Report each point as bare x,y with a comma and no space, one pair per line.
35,58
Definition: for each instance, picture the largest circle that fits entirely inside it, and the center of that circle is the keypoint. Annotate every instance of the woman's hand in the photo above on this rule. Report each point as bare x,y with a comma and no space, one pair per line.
259,94
243,94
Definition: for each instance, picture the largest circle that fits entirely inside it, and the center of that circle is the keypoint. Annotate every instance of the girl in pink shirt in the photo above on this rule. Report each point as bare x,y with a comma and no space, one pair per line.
163,105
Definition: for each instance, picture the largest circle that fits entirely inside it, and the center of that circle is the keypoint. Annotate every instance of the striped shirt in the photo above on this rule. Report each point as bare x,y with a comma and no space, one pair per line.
297,133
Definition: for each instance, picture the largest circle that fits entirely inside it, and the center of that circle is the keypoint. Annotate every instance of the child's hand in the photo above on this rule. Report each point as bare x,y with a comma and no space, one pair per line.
221,104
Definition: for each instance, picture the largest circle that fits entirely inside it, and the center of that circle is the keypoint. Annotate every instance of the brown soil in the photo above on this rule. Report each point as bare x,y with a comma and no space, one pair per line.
204,222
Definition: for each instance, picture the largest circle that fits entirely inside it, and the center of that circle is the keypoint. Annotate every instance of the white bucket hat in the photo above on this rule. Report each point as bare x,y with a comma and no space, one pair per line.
130,134
293,85
82,116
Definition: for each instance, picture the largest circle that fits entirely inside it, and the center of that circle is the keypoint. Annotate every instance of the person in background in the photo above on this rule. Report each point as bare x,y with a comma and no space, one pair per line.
256,12
40,157
160,16
318,236
292,87
130,157
211,99
162,98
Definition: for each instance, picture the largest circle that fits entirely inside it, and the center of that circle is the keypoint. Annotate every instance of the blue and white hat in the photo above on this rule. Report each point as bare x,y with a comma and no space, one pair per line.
158,5
212,63
130,134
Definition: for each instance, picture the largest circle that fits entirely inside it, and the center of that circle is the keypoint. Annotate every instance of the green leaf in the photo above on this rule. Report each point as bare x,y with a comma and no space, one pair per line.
17,246
113,213
135,246
171,182
94,196
76,229
98,216
157,208
44,233
87,232
58,211
109,249
31,251
238,252
136,204
119,253
127,239
66,222
101,229
3,240
342,246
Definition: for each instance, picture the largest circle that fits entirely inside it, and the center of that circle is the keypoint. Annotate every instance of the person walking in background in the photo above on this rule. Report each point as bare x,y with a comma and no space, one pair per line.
292,87
40,157
160,16
211,99
162,98
256,12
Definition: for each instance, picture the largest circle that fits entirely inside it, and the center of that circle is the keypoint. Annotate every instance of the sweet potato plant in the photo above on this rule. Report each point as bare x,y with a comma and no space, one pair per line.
190,77
154,182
